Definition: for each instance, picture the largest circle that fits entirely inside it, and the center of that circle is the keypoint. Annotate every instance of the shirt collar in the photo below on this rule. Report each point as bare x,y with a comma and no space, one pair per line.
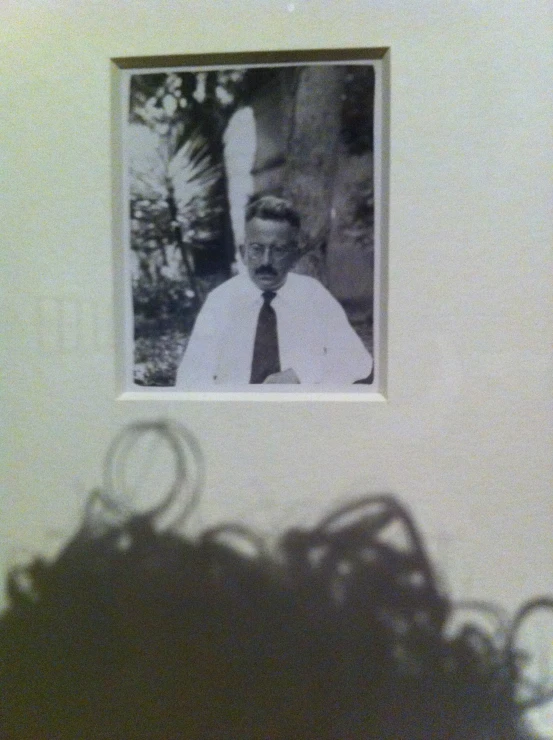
250,290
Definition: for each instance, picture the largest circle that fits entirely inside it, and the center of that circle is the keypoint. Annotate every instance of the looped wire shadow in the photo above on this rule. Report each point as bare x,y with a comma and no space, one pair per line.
189,473
356,534
536,691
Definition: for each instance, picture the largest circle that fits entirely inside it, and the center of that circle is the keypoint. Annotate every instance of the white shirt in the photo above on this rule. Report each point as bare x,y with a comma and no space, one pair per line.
315,338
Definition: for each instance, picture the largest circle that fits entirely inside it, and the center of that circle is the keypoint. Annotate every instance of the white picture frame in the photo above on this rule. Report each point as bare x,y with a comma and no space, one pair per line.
160,145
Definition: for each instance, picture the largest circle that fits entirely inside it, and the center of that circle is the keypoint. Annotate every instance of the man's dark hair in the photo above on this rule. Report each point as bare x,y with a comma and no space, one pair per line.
337,634
272,208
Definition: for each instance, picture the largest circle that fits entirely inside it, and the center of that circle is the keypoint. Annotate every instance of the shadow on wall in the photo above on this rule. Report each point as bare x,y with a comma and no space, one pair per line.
137,630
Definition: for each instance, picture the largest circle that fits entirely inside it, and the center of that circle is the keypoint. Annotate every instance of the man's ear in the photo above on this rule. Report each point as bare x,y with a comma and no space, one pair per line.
298,253
295,259
242,250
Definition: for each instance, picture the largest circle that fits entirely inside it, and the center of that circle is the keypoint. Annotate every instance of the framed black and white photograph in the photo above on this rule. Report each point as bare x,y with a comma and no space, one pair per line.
250,205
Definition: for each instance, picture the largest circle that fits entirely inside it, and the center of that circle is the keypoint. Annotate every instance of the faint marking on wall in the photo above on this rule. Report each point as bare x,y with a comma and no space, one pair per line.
66,325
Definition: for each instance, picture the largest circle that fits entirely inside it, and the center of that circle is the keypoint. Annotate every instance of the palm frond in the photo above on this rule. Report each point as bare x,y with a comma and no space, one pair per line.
192,171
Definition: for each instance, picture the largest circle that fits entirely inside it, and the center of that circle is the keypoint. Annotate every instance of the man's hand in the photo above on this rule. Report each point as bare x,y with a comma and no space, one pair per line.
285,376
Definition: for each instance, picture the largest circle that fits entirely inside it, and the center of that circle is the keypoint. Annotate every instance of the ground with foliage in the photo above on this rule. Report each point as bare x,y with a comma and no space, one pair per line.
164,311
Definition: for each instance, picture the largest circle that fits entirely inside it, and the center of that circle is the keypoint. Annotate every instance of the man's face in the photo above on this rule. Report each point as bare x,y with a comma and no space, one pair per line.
270,252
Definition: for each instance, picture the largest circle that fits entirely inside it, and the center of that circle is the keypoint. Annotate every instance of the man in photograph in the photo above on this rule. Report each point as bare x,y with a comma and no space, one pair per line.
269,325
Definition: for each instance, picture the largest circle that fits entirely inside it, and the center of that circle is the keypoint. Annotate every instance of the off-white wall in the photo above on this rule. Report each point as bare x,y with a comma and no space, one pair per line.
465,437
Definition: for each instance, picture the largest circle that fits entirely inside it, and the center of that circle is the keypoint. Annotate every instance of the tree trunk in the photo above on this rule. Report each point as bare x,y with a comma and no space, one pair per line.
311,159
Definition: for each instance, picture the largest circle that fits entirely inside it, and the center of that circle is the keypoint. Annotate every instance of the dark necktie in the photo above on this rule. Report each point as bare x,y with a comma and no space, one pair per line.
265,360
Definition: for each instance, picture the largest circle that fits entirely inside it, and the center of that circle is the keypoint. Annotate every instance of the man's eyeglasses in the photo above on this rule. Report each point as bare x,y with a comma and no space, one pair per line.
258,251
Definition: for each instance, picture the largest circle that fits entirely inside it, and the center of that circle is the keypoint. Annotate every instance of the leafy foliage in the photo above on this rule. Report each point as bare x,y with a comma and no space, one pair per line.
157,357
164,312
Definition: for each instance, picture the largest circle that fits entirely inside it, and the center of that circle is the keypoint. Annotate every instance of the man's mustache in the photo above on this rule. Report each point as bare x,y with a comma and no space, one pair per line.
266,270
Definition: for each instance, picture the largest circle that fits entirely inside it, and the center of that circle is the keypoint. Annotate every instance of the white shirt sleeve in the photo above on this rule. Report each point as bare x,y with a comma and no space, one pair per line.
345,357
198,366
